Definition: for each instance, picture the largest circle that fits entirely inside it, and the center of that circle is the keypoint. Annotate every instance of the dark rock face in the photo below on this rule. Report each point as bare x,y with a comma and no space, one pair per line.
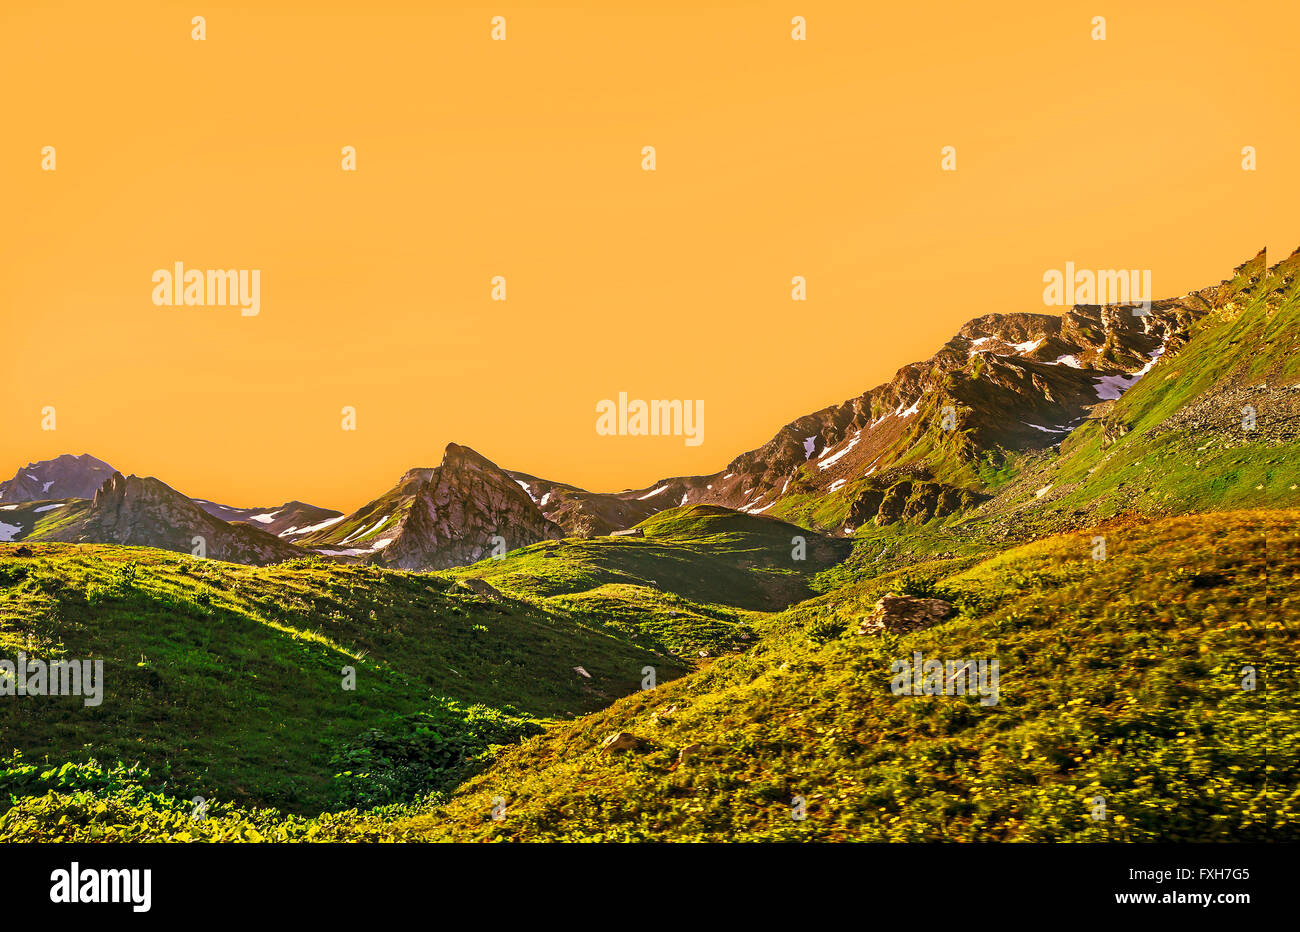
466,502
145,512
912,499
865,506
894,503
65,476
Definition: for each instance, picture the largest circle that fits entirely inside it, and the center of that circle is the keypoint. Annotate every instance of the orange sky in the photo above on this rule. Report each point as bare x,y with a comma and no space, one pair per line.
522,158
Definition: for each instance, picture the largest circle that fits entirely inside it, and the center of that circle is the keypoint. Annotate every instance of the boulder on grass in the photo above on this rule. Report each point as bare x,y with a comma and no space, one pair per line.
480,587
623,741
903,614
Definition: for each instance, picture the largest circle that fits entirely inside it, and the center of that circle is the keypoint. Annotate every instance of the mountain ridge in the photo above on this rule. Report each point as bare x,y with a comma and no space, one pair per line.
933,442
132,510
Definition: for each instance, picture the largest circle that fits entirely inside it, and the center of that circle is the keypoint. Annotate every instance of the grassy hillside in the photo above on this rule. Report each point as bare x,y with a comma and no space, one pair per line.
703,553
227,679
1119,678
1179,440
21,519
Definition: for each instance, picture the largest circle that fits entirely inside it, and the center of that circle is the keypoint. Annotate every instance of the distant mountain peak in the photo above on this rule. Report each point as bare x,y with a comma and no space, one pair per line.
66,476
144,511
1005,383
439,517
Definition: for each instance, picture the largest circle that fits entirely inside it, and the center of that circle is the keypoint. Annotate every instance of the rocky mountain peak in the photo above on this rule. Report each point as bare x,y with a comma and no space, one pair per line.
1005,383
468,506
439,517
146,512
65,476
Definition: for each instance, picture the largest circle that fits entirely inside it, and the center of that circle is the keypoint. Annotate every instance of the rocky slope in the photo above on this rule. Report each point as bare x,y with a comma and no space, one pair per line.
70,477
1005,384
145,512
585,514
20,519
921,446
65,476
289,521
1214,426
935,441
440,517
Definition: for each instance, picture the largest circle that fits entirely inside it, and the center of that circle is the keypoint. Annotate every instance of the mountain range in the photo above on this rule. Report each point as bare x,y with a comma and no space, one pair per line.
1005,398
1104,503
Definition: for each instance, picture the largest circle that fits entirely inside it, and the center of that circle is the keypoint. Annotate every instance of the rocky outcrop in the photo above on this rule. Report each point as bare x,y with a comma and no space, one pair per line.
145,512
460,513
623,741
474,586
911,499
63,477
903,614
866,506
1113,427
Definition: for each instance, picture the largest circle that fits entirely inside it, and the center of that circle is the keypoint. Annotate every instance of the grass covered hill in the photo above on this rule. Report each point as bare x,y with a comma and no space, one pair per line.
1137,580
702,552
1120,678
227,680
229,677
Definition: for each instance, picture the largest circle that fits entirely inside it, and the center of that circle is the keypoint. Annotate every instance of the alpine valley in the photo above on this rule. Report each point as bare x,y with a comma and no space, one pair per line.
1106,501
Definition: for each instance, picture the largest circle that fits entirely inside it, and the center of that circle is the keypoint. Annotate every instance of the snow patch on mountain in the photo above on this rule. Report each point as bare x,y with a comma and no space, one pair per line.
832,460
312,529
368,531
